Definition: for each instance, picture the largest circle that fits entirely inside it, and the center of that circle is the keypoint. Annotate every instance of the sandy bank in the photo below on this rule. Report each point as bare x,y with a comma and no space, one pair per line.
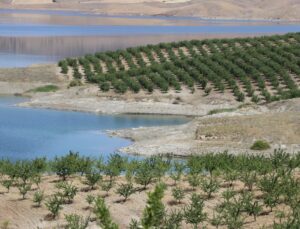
277,123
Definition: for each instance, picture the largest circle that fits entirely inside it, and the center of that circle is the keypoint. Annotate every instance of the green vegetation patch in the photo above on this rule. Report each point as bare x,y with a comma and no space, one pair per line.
46,88
260,145
231,181
260,69
75,83
223,110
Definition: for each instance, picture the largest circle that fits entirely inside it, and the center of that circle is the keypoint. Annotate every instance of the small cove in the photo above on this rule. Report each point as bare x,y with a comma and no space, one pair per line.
26,133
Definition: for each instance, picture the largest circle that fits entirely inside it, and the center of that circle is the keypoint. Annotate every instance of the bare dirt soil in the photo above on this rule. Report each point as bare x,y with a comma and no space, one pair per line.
24,214
235,131
20,80
233,9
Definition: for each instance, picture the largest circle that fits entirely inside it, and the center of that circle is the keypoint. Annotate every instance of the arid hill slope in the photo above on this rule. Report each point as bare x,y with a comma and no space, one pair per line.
254,9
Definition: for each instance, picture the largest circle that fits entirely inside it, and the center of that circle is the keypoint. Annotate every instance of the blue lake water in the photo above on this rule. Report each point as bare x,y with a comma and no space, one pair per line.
113,30
11,60
28,133
38,36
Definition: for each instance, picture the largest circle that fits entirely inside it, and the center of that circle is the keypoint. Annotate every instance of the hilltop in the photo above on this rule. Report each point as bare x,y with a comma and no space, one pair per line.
230,9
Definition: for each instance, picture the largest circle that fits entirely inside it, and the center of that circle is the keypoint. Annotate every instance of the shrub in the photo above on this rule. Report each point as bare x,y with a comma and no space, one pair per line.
251,206
76,222
53,204
207,90
115,165
75,83
260,145
36,179
90,199
178,194
7,184
103,215
194,181
209,186
120,86
154,212
92,179
125,190
193,213
66,165
38,197
173,220
64,66
107,186
144,174
5,225
24,189
104,86
67,191
46,88
223,110
134,224
177,172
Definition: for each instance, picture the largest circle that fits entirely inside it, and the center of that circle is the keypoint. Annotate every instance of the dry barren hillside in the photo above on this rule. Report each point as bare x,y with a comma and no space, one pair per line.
254,9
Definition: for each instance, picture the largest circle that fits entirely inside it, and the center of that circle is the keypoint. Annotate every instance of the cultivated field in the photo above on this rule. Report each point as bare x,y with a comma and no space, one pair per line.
212,191
255,70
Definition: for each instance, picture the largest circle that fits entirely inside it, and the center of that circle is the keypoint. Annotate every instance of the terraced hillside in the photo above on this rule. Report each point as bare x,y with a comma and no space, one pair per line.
261,69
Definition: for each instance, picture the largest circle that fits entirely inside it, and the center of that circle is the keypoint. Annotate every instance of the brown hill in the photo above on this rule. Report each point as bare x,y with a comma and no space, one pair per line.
246,9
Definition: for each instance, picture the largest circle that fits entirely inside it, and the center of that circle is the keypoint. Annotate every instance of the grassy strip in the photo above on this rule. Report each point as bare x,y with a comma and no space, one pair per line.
223,110
46,88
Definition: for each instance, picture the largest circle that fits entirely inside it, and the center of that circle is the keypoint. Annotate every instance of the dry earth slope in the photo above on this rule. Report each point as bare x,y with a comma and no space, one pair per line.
246,9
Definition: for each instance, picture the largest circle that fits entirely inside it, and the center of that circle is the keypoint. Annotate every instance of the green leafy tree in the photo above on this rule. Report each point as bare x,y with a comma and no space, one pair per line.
103,215
115,165
107,186
92,178
90,199
178,194
193,213
24,189
66,165
125,190
67,191
216,220
251,206
177,172
194,180
154,212
54,205
134,224
38,197
7,184
145,174
173,220
209,186
76,222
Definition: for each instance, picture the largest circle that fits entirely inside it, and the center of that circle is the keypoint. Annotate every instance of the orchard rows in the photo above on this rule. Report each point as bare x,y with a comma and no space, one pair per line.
260,69
214,190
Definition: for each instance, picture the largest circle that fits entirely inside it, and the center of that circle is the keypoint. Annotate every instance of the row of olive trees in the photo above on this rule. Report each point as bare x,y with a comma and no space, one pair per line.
251,66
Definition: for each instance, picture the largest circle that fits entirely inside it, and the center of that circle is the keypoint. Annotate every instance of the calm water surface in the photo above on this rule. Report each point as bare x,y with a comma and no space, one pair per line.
47,36
27,133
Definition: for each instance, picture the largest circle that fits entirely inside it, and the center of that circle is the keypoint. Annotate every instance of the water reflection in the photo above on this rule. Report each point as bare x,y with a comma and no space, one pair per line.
32,36
25,51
